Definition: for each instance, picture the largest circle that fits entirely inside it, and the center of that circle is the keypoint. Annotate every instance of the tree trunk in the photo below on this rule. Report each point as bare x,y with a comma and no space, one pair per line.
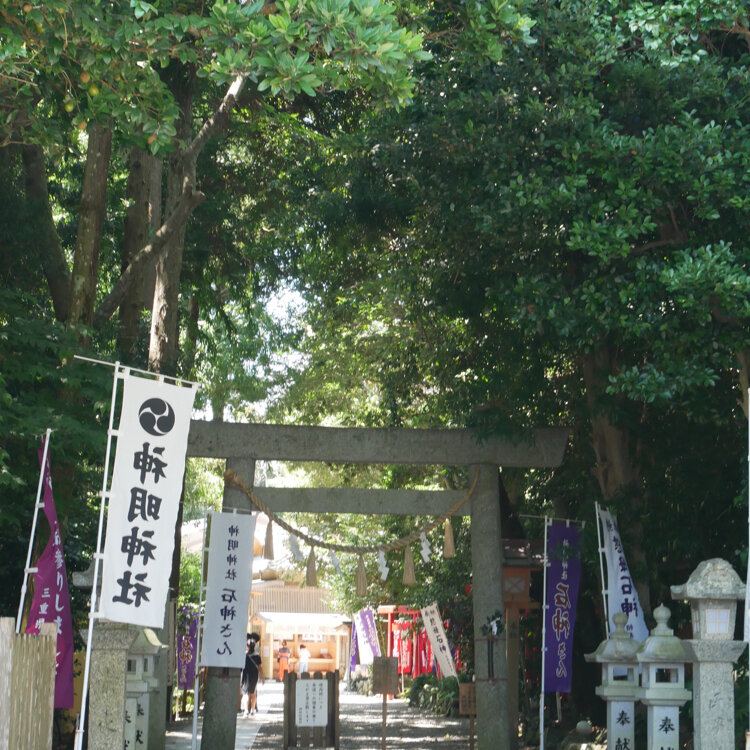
616,469
162,354
744,359
192,335
91,213
139,220
177,218
53,260
155,191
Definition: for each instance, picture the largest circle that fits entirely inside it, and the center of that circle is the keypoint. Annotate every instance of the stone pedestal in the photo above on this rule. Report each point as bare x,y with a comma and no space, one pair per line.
220,708
713,590
713,691
111,642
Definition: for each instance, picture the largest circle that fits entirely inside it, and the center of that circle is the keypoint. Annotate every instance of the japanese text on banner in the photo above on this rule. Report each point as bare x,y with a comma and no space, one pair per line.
621,596
228,583
51,600
435,629
563,580
144,500
368,643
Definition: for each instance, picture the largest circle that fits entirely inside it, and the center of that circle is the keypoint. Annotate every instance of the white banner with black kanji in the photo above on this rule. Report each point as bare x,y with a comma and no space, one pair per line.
621,593
144,500
228,584
433,625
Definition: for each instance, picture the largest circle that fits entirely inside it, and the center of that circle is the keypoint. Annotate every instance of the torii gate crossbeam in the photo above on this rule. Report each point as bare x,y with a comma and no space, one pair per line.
242,444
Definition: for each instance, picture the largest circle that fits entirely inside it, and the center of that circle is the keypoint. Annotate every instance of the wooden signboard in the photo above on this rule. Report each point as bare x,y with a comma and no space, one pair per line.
467,699
385,675
311,710
467,705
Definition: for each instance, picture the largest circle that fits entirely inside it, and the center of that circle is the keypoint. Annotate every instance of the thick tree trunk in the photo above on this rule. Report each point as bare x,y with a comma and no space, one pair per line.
139,221
163,345
53,260
616,469
176,219
91,213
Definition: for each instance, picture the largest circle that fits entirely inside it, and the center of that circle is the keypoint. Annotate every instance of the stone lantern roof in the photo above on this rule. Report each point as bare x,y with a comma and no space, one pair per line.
619,647
712,579
662,645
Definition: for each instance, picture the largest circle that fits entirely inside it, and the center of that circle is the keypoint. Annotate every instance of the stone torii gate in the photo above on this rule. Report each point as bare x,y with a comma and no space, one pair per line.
242,444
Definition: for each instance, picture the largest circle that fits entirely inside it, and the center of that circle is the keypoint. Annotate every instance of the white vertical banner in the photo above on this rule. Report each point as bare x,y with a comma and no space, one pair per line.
621,593
228,584
144,499
433,625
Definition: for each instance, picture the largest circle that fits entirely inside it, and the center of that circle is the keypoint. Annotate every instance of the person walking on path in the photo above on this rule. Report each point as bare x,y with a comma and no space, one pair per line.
252,670
304,659
283,660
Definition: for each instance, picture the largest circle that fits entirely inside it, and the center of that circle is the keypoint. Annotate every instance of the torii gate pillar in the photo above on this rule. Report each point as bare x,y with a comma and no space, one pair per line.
222,683
487,596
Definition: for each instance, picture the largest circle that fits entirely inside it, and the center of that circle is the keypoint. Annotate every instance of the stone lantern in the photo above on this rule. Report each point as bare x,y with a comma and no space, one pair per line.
713,590
143,723
617,655
662,658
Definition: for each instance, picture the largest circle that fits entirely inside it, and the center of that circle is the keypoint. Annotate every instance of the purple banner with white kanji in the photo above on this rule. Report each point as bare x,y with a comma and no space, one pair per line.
187,642
51,600
368,643
561,596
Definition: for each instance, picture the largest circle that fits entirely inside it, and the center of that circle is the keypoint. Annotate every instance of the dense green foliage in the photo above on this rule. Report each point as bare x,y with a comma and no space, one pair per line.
556,238
554,232
40,389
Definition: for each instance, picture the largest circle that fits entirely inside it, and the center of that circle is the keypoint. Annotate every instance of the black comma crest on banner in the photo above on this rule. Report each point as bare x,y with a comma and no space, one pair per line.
156,416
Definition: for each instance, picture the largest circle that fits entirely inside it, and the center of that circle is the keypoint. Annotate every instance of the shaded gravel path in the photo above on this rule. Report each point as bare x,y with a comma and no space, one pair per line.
361,721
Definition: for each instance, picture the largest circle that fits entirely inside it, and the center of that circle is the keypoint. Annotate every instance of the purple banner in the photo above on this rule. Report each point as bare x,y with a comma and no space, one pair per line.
368,644
563,579
51,600
353,654
187,642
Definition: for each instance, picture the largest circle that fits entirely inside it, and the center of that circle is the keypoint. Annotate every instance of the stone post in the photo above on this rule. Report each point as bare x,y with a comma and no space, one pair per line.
110,644
617,655
487,594
222,683
713,590
662,690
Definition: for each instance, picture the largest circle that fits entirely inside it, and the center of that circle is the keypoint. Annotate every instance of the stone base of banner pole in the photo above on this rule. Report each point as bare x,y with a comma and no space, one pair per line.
222,684
110,644
220,708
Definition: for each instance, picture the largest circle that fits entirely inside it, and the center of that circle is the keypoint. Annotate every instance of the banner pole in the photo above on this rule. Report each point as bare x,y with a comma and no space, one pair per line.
544,637
605,592
28,569
196,678
159,376
80,727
